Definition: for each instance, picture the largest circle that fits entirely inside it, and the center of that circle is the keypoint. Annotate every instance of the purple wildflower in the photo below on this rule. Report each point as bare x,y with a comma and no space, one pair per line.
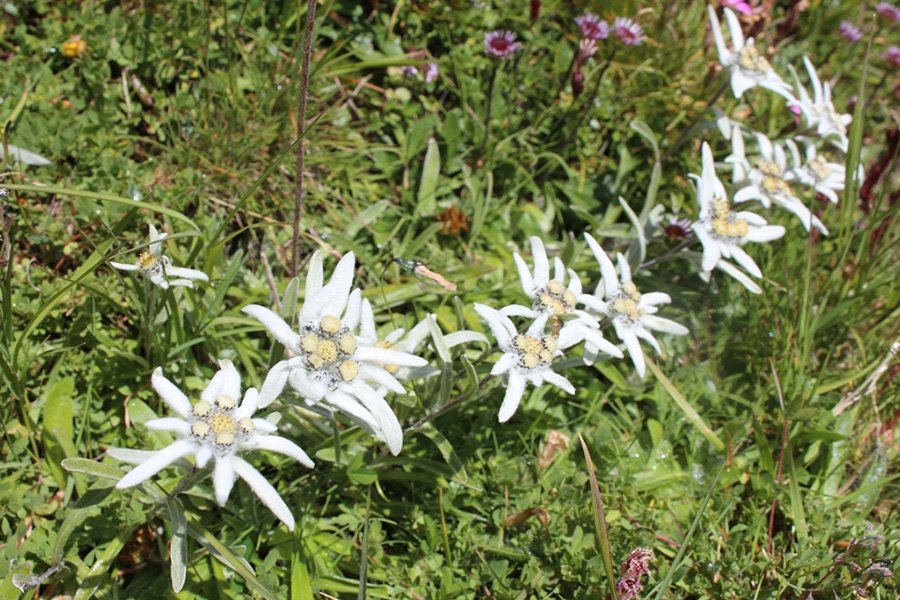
738,5
893,55
638,563
431,72
410,71
677,229
592,27
629,32
500,43
628,588
888,11
850,32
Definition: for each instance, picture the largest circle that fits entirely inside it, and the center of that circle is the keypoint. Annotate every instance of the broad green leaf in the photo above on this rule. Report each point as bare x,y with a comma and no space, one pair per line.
178,544
92,467
431,172
58,416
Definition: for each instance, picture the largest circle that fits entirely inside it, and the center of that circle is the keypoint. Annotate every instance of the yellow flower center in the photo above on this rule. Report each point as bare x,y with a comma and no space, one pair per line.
225,402
627,307
535,352
202,408
557,298
819,168
750,60
330,324
349,369
528,344
148,261
224,428
725,223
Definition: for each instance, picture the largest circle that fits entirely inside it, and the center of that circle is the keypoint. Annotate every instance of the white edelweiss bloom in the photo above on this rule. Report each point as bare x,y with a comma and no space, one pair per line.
825,177
218,426
769,180
331,365
551,297
748,67
632,313
723,231
159,268
526,357
819,111
412,341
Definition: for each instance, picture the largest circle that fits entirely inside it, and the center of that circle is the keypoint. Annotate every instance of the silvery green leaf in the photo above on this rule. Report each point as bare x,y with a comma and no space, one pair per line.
24,156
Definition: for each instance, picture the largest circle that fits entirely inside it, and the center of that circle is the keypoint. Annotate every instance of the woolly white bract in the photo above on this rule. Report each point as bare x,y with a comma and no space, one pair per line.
526,357
819,112
632,313
218,426
158,268
723,231
768,179
332,367
748,67
551,297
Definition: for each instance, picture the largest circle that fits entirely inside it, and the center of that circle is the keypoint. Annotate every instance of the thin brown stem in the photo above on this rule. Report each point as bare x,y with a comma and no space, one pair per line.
301,126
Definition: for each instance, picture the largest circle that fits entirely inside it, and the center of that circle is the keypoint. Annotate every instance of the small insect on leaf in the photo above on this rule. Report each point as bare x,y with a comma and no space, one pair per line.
418,268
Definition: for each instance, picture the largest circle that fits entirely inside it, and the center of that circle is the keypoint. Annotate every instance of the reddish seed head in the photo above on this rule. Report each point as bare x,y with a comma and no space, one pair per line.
500,43
628,32
592,27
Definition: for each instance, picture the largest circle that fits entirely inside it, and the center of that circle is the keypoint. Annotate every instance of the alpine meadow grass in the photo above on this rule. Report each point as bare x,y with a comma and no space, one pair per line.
450,299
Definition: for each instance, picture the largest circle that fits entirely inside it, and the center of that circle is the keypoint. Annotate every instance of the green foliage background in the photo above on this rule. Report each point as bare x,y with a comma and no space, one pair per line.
185,114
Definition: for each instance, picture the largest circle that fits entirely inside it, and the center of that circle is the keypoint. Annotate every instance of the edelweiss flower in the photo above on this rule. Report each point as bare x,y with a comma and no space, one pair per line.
723,231
215,427
412,342
526,357
552,298
331,365
748,67
500,44
159,268
769,180
631,312
819,111
592,27
825,177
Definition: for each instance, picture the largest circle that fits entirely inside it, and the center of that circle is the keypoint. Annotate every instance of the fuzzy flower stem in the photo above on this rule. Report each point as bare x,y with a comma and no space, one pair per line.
301,124
684,132
487,113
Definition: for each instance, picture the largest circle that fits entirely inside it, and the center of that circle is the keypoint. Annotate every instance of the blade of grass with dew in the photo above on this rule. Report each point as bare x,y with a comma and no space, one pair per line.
685,543
600,521
688,410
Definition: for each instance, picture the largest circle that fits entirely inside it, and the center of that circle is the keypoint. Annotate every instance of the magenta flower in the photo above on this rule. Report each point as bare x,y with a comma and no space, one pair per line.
431,72
738,5
888,11
500,43
850,32
629,32
893,55
592,27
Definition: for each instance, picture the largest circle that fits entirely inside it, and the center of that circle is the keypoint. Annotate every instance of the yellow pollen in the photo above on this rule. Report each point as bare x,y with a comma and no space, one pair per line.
347,344
222,423
530,360
569,298
631,291
202,408
737,228
349,370
555,306
247,425
775,184
749,59
225,438
392,369
817,166
225,402
384,344
528,344
148,260
327,350
555,288
546,357
551,344
200,429
627,307
330,324
770,168
310,342
315,361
